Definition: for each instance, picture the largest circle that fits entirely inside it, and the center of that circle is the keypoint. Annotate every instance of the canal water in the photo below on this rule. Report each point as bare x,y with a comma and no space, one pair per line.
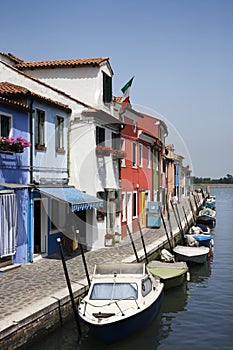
195,316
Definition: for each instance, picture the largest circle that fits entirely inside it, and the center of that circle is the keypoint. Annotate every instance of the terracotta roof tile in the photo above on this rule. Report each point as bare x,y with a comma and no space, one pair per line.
9,89
12,57
62,63
12,89
8,101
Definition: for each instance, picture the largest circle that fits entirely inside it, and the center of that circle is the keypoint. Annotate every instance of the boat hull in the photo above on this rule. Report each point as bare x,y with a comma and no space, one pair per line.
192,255
206,220
170,274
202,239
109,333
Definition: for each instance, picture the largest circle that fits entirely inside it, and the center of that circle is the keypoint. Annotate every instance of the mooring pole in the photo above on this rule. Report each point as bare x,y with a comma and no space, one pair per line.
195,200
175,215
143,242
178,215
178,221
83,257
134,249
186,219
169,223
75,311
85,265
165,228
192,210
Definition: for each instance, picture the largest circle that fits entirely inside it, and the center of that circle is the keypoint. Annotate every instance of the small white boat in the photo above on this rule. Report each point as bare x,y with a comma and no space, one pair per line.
207,217
207,211
199,229
122,299
197,255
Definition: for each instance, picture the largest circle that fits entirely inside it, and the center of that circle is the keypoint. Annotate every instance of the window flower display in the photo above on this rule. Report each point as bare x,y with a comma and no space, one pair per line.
13,145
118,153
103,150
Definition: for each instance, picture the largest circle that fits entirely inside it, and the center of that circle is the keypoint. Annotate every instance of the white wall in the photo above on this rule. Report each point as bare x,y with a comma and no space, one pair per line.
83,83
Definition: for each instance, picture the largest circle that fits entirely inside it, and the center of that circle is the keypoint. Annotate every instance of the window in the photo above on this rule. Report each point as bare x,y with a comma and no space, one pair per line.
100,136
8,224
148,156
5,125
115,140
164,165
114,291
107,88
101,213
59,133
40,126
123,199
134,154
146,286
135,214
140,155
123,149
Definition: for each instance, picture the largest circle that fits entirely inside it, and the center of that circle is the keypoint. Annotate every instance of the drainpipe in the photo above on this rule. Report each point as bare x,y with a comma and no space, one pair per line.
31,227
31,141
31,206
153,169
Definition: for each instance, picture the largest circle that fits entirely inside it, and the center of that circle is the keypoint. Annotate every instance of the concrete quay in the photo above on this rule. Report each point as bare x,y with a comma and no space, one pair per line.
34,297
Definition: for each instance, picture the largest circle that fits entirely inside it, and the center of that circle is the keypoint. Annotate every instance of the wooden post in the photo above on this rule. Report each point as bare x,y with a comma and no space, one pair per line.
132,242
165,228
143,243
75,311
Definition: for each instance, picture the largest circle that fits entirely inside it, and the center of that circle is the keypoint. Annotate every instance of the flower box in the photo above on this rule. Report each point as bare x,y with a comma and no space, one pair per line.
103,151
118,154
9,144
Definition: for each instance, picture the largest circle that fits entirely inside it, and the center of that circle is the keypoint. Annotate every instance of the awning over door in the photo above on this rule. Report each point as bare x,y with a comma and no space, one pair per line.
77,200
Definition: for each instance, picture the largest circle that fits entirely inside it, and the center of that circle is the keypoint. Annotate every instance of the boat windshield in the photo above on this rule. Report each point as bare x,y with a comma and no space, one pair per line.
114,291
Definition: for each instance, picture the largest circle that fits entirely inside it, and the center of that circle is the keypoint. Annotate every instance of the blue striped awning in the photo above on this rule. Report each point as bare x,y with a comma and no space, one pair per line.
77,200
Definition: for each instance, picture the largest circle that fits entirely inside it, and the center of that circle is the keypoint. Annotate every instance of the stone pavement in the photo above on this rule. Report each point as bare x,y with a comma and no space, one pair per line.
31,286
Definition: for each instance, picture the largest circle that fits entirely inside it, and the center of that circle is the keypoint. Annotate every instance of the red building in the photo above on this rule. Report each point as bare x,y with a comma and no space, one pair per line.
140,169
159,130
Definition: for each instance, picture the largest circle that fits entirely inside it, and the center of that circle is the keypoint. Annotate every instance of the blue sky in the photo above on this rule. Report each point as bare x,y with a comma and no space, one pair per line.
180,52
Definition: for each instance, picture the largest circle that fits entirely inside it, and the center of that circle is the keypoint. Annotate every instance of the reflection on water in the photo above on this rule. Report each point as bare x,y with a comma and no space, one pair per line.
200,273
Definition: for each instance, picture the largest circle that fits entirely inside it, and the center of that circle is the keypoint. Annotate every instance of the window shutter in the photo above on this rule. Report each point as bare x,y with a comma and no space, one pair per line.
107,88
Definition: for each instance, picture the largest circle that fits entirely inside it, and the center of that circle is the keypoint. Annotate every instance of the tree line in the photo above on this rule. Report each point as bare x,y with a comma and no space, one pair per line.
228,179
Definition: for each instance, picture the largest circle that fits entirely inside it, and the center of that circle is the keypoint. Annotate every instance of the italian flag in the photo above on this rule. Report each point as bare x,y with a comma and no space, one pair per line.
126,90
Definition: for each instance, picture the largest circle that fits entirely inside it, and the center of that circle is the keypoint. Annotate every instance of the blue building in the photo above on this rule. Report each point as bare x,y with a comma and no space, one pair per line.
14,177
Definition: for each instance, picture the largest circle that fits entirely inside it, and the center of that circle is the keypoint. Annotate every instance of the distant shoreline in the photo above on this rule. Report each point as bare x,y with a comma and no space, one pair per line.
213,185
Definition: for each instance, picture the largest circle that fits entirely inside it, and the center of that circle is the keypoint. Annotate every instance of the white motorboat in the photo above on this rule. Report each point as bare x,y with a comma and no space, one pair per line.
197,255
123,298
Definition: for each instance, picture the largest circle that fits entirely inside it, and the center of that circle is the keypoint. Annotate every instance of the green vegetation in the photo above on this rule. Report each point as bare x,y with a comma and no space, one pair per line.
228,179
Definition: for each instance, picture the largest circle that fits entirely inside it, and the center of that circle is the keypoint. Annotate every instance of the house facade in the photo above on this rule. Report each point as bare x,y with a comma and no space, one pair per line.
178,163
95,169
140,175
14,164
45,163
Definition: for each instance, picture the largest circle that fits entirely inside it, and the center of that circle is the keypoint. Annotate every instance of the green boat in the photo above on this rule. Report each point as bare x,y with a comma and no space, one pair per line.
172,274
